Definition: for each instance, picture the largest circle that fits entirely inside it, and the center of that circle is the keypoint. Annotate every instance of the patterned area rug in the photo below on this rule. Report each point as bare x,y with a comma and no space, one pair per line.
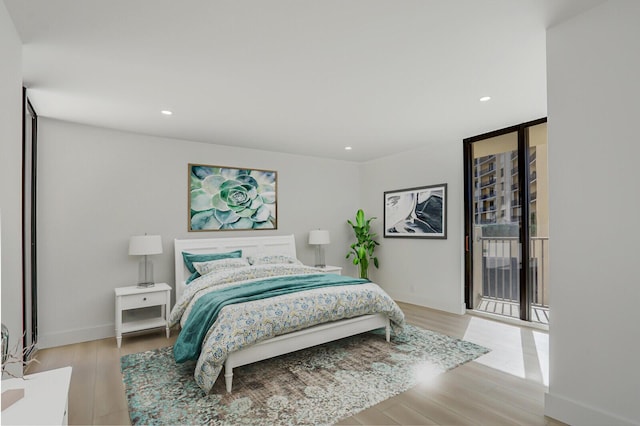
319,385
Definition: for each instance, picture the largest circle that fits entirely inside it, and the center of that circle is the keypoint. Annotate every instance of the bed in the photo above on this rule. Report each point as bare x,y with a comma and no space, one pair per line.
216,353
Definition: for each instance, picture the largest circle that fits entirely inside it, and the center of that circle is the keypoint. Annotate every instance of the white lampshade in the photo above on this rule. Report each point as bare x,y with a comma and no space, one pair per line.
319,237
145,244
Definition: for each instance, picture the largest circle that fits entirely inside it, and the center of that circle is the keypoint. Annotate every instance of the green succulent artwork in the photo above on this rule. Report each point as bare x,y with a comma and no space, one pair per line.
224,198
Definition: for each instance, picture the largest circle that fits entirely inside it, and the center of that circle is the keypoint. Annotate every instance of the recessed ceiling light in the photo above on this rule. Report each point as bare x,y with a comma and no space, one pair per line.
485,98
166,112
347,148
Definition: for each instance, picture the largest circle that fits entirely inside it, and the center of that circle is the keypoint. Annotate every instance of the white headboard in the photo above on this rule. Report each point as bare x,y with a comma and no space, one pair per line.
250,246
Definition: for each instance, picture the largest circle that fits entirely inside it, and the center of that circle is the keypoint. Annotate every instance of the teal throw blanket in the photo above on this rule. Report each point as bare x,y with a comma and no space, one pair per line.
205,311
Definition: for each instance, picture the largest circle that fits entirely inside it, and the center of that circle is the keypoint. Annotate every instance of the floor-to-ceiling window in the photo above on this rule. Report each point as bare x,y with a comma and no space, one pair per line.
505,205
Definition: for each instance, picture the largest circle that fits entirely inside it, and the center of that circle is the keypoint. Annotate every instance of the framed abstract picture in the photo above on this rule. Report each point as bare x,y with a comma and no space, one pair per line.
416,212
228,198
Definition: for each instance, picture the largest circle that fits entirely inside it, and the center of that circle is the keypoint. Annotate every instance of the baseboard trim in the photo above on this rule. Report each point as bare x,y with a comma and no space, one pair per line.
77,335
575,413
431,304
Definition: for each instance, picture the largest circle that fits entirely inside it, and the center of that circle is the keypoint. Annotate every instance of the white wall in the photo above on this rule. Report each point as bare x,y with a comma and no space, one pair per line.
421,271
11,178
97,187
593,97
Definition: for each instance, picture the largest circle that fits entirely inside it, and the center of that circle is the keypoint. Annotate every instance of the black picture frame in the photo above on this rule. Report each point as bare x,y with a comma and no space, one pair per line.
419,212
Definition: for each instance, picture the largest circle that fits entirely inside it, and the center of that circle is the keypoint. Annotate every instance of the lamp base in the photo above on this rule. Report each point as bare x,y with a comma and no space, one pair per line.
145,273
320,263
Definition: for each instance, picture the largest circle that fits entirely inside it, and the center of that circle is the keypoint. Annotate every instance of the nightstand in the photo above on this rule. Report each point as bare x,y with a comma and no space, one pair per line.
328,269
134,297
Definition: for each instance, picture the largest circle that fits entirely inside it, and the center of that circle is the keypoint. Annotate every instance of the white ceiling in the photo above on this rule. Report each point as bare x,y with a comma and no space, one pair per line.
297,76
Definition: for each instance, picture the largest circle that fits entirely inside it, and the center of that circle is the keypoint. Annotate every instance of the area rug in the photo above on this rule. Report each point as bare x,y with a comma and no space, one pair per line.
315,386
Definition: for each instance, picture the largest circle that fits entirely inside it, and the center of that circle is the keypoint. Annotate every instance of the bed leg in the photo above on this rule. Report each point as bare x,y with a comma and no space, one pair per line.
388,331
228,378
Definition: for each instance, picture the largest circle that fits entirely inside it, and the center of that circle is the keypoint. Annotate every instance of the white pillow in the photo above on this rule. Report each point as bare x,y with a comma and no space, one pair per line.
273,259
204,268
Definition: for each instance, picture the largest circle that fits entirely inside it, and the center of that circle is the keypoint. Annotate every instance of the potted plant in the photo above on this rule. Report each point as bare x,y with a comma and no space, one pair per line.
13,356
362,249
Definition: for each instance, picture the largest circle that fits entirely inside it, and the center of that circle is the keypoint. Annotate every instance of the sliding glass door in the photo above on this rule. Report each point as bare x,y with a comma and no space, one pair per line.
505,205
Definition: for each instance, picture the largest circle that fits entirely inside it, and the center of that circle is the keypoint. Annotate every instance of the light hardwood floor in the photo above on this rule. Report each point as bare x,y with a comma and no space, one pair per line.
504,387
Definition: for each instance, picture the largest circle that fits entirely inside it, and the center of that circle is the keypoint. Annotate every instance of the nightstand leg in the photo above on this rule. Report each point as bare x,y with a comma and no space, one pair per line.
388,331
118,321
165,313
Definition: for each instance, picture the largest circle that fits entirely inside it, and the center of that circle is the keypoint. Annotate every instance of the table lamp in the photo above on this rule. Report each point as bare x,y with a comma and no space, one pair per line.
319,238
145,245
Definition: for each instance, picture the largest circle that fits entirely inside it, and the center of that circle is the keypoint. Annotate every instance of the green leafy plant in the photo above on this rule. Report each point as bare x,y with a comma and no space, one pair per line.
362,249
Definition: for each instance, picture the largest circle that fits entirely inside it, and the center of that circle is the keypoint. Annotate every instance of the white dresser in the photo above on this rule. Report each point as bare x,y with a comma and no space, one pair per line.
45,400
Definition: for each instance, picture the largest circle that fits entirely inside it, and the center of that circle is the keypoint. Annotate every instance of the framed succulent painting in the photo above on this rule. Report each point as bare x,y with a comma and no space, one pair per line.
228,198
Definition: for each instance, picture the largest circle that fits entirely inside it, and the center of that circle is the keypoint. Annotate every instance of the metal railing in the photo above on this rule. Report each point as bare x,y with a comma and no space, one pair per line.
486,209
487,169
483,160
539,252
501,269
491,181
491,194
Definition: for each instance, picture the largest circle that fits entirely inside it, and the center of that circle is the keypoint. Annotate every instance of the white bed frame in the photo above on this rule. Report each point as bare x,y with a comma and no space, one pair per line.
286,343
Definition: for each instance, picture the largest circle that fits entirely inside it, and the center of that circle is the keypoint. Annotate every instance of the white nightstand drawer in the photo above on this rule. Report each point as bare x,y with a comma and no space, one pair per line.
133,301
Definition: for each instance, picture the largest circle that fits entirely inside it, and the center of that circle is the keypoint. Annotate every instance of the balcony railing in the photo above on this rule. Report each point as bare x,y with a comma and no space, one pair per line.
489,195
501,269
486,209
491,181
483,160
486,221
488,169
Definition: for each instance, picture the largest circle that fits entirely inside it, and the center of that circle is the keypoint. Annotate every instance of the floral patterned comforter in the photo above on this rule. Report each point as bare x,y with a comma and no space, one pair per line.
242,325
